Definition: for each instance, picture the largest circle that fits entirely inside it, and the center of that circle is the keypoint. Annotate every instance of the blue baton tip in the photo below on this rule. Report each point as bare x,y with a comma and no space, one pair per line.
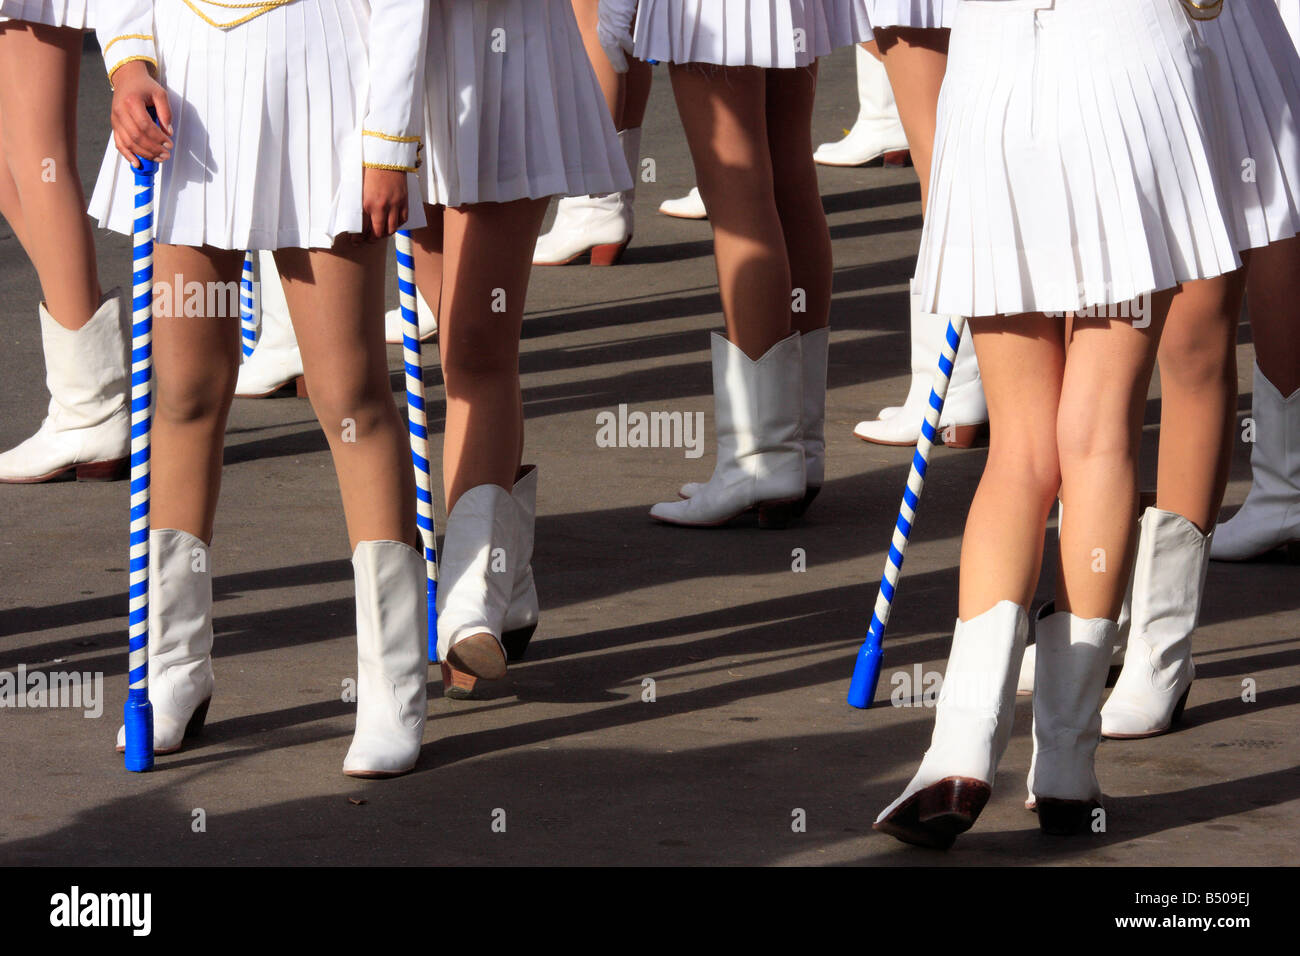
866,673
137,715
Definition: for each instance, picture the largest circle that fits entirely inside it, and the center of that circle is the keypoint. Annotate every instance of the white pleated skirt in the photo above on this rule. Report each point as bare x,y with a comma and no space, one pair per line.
513,109
267,119
776,34
1290,10
1257,88
77,14
1073,162
911,13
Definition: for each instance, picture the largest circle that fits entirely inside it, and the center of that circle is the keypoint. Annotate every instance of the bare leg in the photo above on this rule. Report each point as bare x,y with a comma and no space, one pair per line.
336,303
724,115
1198,398
640,77
612,84
1099,428
196,362
483,253
1023,360
915,60
39,70
790,95
1273,292
11,206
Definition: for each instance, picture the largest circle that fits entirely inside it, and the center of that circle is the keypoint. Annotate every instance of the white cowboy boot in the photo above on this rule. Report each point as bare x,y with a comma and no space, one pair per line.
1025,684
392,670
180,638
394,324
476,578
814,347
521,616
965,414
276,361
690,206
601,225
972,725
1270,516
1073,657
1168,581
758,405
878,132
87,429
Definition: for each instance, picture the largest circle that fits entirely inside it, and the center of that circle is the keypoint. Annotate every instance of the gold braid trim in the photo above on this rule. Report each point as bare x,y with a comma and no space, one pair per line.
128,36
258,8
389,138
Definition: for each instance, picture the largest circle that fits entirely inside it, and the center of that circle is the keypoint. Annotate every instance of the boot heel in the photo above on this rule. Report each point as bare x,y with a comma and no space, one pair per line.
953,804
777,515
457,685
1065,817
1177,718
114,470
516,642
896,159
807,500
610,254
964,436
195,726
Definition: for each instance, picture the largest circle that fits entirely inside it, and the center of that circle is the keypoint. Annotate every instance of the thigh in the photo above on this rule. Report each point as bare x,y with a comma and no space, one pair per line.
1200,333
724,115
39,71
487,259
336,303
789,96
1022,363
196,320
426,249
1103,395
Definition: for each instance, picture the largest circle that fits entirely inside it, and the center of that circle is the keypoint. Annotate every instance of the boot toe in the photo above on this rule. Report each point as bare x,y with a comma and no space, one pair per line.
375,758
1122,722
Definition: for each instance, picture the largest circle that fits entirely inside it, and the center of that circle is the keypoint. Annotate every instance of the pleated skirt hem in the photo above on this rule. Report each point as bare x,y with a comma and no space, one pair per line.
774,34
513,109
267,119
1257,90
911,13
75,14
1074,163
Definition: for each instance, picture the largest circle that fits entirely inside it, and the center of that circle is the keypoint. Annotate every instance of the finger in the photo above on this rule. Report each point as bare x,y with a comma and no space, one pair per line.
126,153
163,107
144,133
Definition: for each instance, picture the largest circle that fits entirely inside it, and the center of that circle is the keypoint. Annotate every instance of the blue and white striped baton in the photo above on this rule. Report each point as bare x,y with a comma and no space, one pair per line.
247,320
417,424
866,672
138,712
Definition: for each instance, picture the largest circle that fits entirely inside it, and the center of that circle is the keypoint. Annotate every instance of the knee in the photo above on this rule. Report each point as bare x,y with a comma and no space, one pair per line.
1190,361
351,405
195,400
1087,436
478,358
1026,468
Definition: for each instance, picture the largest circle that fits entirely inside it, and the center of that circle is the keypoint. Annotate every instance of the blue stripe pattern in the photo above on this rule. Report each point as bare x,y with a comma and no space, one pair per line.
866,669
